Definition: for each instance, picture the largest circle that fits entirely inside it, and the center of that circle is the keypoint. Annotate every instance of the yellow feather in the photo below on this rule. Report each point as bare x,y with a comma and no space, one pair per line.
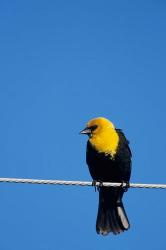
104,138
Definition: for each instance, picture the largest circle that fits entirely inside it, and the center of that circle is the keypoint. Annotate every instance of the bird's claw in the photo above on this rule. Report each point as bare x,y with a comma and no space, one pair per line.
97,187
125,185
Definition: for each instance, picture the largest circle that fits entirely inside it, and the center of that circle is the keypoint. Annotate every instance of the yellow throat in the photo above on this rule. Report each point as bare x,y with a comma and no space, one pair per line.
104,138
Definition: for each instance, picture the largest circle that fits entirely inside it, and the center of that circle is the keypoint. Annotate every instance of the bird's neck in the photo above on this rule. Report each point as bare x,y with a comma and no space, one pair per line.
106,142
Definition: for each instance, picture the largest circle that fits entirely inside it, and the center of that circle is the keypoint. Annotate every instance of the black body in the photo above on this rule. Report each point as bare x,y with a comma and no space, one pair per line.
111,214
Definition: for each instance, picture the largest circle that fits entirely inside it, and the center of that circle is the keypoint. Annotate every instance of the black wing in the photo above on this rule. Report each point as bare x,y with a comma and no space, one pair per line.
124,140
124,154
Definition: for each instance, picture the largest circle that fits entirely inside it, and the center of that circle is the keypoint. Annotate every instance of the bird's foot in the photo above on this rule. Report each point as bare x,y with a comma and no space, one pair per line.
97,187
125,185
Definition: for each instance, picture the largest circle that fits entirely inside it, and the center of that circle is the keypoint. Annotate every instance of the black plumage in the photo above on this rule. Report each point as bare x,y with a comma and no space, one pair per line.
111,214
108,167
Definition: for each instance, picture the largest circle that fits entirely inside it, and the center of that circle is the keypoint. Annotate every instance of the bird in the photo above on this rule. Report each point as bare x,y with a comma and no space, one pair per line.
108,157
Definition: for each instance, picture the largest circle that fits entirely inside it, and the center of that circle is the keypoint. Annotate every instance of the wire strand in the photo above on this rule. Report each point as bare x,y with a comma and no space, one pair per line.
81,183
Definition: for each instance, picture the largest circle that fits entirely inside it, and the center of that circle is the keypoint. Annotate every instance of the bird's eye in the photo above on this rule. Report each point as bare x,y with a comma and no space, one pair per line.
92,128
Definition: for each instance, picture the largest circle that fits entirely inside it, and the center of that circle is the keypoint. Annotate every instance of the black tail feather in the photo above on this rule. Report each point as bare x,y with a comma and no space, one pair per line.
111,213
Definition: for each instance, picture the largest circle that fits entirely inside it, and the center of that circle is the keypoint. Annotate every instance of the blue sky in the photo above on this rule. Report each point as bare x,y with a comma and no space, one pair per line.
63,63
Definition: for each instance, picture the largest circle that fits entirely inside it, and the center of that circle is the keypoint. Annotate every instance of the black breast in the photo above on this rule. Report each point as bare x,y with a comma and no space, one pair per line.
105,168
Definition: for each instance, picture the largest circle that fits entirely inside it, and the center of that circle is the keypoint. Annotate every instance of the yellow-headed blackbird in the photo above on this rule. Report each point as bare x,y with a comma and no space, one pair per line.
109,159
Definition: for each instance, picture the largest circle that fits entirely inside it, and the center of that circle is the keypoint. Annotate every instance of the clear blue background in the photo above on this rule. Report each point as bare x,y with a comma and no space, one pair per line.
61,64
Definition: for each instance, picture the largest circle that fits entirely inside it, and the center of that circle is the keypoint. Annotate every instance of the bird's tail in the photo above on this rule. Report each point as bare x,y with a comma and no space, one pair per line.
111,213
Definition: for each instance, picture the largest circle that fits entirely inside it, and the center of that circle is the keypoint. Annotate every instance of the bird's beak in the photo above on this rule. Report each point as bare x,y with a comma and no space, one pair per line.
86,131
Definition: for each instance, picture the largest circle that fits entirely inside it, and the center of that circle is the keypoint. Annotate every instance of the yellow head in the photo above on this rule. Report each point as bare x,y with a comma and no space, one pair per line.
102,135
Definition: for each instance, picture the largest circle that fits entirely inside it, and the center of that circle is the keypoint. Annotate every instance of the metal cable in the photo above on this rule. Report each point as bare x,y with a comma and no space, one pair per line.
81,183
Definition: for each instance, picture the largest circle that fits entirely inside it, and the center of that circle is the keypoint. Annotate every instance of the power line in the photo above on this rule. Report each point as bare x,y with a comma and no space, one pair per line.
80,183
